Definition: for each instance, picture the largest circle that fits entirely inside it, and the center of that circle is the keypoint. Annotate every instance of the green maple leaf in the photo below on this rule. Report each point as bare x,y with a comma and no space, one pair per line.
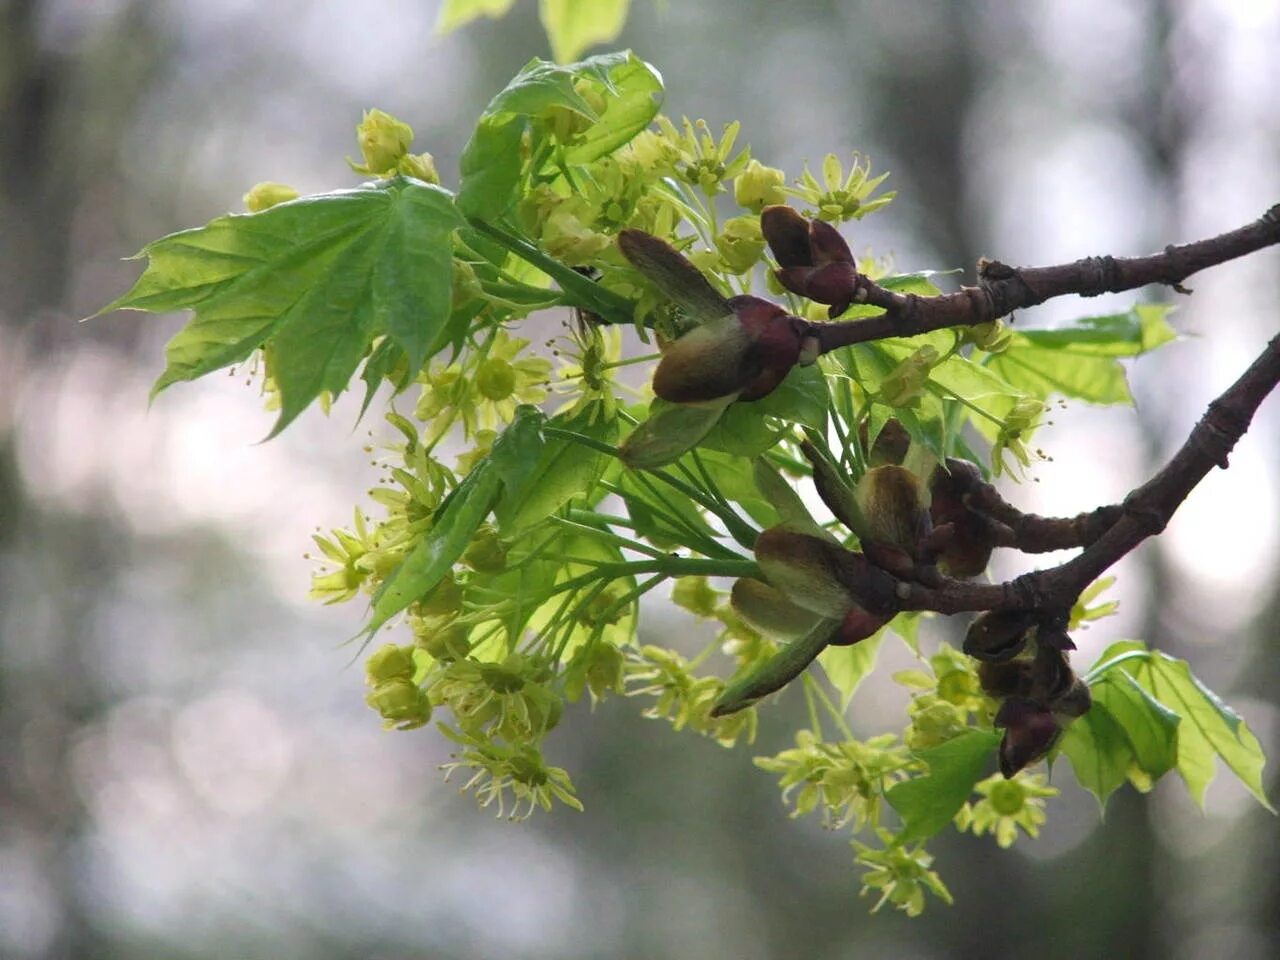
315,281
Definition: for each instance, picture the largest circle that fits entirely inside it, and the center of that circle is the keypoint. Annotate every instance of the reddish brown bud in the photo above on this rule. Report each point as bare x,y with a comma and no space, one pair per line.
748,352
826,245
1074,703
1009,678
831,486
969,550
813,259
819,575
998,635
787,234
858,624
1030,731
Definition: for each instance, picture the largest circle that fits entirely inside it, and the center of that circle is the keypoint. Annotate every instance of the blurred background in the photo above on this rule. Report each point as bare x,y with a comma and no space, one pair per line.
186,765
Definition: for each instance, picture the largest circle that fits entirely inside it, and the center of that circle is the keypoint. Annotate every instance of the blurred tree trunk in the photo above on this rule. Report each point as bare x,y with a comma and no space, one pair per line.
61,116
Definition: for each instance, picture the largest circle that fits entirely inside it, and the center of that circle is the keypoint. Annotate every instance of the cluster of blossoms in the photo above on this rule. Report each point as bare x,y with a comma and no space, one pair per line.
525,621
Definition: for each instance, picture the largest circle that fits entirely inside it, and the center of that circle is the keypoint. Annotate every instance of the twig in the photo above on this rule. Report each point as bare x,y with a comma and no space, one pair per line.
1002,289
1145,512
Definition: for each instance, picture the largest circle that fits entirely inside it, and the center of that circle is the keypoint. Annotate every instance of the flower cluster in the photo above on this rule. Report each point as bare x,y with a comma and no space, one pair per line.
846,780
901,874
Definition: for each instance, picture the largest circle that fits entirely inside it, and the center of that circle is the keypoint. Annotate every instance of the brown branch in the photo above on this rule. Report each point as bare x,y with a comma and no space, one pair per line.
1030,532
1145,512
1002,289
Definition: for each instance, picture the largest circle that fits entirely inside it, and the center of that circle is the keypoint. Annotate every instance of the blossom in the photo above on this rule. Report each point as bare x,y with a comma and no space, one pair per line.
839,197
499,769
1007,805
699,160
901,874
847,779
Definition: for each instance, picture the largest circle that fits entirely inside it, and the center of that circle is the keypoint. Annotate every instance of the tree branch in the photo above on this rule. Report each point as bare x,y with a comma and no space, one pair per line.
1002,289
1145,512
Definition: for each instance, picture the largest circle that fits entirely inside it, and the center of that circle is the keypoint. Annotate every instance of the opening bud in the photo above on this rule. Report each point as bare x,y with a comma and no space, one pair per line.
967,552
747,352
767,610
1030,731
813,259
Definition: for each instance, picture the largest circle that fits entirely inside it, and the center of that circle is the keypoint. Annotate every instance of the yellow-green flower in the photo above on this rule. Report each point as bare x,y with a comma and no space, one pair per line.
684,699
504,379
1018,426
512,699
346,550
588,358
419,165
740,243
901,874
702,162
758,186
384,141
848,779
905,383
484,390
497,769
839,197
402,704
1007,805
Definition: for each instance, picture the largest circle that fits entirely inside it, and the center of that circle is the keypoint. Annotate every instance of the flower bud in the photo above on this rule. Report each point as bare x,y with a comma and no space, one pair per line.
445,643
401,703
263,196
383,140
819,575
740,243
998,635
445,599
390,662
421,166
605,665
967,551
696,595
905,384
486,553
890,500
992,336
758,186
1030,731
767,610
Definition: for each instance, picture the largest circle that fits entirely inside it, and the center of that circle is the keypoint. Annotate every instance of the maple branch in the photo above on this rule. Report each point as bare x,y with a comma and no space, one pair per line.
1002,289
1110,532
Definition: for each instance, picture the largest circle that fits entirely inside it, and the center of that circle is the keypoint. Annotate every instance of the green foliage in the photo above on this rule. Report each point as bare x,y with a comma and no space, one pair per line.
314,281
1160,716
572,25
513,569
